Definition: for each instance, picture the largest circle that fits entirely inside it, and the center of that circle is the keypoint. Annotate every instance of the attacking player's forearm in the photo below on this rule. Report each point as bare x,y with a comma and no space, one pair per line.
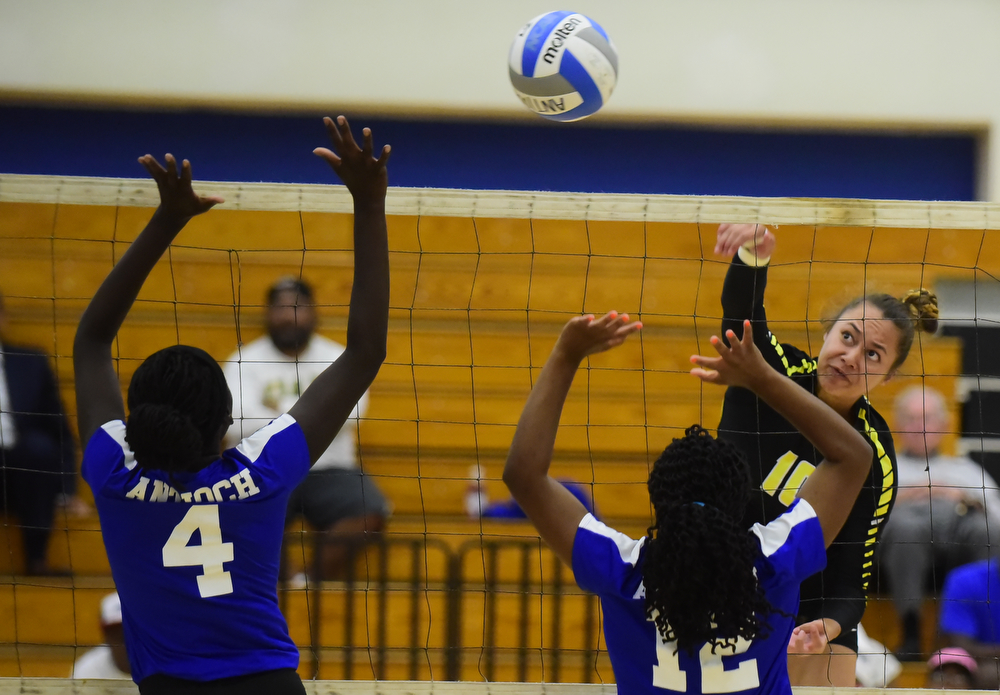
743,298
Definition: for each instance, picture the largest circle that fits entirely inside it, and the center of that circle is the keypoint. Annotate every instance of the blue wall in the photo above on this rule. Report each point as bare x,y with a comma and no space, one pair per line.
495,155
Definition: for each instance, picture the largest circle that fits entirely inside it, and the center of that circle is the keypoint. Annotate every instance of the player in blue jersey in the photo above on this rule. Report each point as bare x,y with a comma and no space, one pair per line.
701,604
192,532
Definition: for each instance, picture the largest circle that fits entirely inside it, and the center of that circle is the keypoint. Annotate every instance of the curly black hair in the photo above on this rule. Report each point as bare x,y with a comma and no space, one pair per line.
699,566
178,401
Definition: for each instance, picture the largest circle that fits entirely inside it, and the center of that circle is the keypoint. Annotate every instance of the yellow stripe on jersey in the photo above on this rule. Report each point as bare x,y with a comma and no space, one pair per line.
888,477
807,366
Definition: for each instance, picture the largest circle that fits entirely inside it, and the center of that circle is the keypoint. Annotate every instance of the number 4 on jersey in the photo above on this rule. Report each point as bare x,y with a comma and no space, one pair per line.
210,555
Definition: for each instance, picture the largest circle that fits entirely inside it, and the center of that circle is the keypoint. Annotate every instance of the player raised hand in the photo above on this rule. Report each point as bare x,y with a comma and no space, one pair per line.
585,335
739,364
757,237
177,199
365,176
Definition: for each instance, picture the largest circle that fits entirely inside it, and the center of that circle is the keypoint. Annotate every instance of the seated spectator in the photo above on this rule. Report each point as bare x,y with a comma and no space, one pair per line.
951,668
970,616
266,377
37,453
947,511
109,660
478,505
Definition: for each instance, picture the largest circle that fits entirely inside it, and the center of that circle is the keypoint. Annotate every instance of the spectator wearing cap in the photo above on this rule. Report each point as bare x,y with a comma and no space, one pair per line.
266,377
970,616
951,668
108,660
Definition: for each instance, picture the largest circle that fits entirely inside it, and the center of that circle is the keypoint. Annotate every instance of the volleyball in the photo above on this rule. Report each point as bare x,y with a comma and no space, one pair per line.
563,66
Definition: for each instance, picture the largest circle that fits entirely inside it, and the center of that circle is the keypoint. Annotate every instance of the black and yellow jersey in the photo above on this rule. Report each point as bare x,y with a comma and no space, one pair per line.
781,459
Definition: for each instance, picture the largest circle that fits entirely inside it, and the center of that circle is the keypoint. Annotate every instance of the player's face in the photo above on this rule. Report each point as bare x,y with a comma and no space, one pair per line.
857,353
291,320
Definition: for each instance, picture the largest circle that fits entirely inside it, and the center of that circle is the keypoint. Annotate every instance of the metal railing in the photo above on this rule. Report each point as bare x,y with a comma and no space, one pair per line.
534,576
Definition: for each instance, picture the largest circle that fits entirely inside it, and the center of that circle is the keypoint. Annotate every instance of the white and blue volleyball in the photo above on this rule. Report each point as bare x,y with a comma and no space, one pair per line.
563,66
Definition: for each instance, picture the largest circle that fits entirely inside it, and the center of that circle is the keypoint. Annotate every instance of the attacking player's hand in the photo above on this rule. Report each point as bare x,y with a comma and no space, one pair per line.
177,199
738,364
809,638
585,335
365,176
731,237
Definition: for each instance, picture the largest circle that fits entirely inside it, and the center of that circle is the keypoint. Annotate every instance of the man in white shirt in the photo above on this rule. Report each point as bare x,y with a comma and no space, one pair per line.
108,660
266,377
947,510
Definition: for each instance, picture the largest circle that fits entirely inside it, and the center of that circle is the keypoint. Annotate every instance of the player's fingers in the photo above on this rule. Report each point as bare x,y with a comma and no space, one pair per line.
720,347
736,345
333,132
328,155
186,172
709,376
384,158
721,238
345,132
617,322
154,168
747,340
629,328
171,166
600,324
705,361
368,146
210,200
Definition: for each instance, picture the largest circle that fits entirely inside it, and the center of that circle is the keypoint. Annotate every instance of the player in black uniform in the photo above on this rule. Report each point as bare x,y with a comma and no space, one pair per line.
863,346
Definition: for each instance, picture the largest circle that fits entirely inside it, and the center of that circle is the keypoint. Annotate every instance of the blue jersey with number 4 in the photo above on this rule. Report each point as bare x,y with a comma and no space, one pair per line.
609,564
195,555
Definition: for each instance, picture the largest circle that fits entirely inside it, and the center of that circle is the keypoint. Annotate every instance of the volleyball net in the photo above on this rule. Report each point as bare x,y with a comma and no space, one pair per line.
481,284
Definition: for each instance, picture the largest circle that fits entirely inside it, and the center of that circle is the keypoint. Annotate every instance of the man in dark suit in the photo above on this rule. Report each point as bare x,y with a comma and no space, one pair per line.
37,452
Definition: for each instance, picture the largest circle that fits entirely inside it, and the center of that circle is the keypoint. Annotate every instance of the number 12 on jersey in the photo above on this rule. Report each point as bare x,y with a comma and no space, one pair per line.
715,678
210,555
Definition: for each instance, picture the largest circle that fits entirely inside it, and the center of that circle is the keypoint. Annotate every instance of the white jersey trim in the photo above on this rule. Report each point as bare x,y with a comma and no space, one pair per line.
116,430
253,446
775,534
627,548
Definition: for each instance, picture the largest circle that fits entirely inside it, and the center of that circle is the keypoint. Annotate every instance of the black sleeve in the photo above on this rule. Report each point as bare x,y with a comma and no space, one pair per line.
844,598
743,298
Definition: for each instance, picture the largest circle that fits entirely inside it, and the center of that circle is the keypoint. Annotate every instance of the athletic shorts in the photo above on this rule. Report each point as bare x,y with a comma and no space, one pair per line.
328,495
282,681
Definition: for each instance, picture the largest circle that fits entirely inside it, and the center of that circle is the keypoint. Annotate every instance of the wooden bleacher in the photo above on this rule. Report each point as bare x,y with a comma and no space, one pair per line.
476,307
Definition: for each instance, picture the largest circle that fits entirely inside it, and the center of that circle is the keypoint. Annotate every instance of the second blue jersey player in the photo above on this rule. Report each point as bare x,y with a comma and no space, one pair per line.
193,533
701,604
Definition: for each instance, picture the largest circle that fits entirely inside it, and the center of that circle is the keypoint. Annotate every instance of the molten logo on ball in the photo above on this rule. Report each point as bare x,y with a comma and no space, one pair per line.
563,66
